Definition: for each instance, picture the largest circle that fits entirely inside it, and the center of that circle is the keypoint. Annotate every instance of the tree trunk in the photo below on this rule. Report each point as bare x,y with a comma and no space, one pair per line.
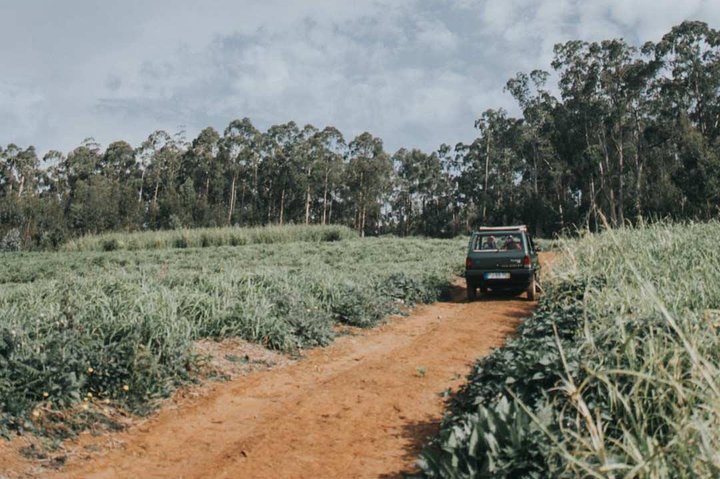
242,202
639,171
485,183
362,221
325,192
256,191
621,182
307,205
282,206
142,182
232,200
361,206
307,196
535,170
155,195
593,205
605,186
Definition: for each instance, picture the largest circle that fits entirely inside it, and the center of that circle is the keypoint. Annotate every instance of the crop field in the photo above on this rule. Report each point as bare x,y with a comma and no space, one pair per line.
615,375
118,327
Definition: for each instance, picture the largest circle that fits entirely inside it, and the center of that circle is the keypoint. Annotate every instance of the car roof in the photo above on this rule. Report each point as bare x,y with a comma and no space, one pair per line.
483,229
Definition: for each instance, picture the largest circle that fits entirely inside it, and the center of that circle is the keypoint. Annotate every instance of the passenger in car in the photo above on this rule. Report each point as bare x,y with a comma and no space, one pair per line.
511,244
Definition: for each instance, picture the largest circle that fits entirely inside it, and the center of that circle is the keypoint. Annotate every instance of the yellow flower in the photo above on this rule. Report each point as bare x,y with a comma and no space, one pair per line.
126,388
90,370
89,395
36,413
45,394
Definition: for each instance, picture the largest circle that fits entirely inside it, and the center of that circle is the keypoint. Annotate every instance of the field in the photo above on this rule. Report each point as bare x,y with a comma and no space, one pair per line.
615,375
118,327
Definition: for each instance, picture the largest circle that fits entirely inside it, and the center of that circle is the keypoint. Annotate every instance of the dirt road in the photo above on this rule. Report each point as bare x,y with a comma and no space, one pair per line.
362,407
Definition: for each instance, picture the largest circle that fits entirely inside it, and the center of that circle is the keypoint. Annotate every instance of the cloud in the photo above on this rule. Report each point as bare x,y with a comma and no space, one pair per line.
415,72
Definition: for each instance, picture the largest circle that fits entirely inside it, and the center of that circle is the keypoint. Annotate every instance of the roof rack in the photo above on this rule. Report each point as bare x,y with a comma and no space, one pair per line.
503,228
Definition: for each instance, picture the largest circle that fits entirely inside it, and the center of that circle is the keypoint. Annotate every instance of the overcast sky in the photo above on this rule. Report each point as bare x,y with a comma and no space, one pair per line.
417,73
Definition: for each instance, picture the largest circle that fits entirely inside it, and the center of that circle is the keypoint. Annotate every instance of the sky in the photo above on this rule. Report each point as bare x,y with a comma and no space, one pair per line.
416,73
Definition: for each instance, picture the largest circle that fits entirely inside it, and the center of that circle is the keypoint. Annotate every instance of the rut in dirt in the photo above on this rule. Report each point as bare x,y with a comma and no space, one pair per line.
362,407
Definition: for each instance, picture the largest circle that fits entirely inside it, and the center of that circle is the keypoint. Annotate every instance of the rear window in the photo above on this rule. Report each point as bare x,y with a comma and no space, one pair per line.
487,242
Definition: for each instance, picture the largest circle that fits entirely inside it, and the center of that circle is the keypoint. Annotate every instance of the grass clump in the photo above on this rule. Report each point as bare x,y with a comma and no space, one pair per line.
207,237
614,376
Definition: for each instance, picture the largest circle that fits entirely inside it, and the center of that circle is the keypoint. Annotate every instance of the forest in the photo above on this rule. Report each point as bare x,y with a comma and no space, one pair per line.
613,134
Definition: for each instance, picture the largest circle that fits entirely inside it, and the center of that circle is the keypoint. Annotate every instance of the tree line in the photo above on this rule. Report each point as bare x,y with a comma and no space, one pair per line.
627,133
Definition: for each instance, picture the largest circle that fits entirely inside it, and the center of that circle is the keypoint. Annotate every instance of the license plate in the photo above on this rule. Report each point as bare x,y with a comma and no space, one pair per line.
497,275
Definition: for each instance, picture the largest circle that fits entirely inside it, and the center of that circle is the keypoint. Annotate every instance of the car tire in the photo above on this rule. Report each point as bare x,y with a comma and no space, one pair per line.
532,290
471,292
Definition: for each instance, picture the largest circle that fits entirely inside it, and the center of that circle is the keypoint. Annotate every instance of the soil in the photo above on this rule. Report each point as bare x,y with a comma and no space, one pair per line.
361,408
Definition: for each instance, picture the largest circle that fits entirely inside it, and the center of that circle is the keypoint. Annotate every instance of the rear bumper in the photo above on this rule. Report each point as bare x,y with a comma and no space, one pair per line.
519,279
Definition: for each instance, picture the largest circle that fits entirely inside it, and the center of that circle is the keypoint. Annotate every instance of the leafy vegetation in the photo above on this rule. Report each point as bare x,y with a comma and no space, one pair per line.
633,133
614,376
119,326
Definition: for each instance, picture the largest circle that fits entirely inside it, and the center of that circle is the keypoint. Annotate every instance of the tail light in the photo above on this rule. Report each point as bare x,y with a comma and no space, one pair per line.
526,261
468,263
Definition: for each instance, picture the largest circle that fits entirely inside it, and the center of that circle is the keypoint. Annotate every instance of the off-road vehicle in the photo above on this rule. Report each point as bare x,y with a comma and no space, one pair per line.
502,259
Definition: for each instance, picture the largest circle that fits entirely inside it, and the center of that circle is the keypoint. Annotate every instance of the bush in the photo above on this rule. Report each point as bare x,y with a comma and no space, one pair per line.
12,241
205,237
110,244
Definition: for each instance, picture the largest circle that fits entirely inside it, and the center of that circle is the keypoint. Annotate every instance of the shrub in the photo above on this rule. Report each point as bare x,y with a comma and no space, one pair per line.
110,244
12,241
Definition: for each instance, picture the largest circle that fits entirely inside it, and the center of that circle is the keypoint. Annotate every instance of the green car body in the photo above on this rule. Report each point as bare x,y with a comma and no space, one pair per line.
502,259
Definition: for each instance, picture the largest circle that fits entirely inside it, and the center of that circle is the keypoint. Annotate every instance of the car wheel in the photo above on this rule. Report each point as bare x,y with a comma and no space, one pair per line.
532,290
471,292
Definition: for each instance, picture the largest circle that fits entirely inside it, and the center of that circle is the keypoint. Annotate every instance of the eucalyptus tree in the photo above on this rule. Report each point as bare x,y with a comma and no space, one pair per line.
281,168
18,169
18,180
368,178
420,183
307,154
688,111
118,170
331,150
201,159
491,169
239,147
201,165
546,176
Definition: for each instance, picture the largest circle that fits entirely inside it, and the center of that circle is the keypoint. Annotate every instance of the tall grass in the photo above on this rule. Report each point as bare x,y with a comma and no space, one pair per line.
120,325
616,375
206,237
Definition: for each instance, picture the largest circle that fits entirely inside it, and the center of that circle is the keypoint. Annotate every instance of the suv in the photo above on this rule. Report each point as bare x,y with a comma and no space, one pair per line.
502,259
